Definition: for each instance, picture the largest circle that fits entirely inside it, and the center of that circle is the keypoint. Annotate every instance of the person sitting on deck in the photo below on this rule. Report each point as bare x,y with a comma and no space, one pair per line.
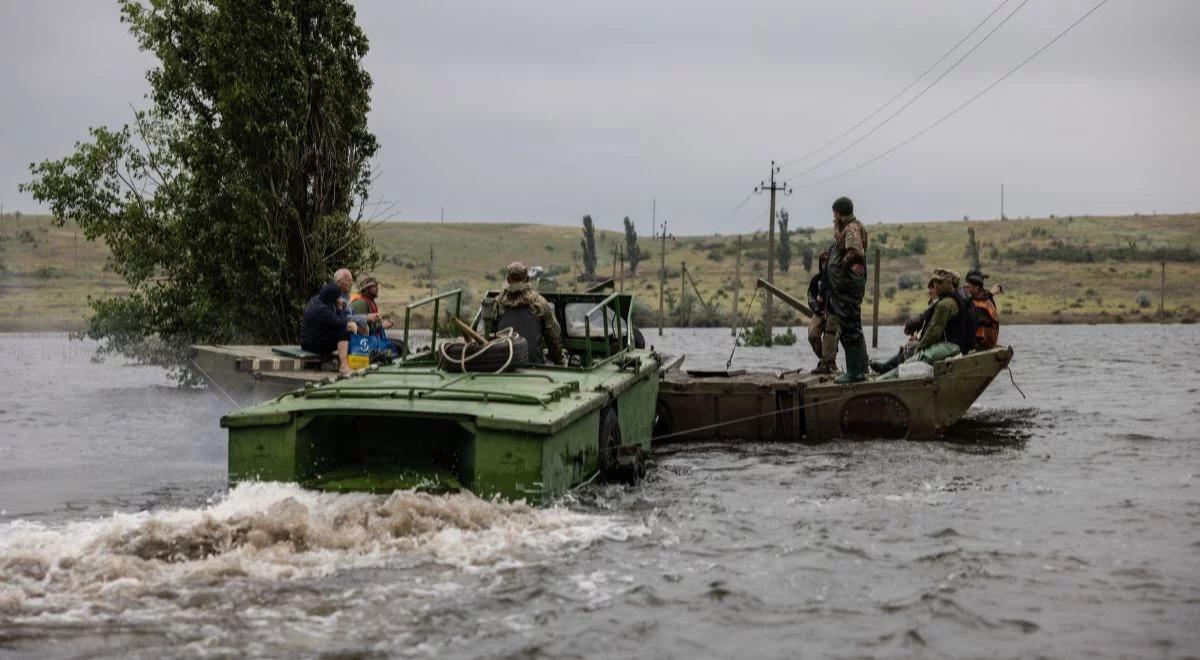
912,328
947,328
363,304
983,305
530,315
324,330
823,326
344,279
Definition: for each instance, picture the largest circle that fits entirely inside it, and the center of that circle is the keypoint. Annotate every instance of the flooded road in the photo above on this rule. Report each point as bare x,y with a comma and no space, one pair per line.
1065,524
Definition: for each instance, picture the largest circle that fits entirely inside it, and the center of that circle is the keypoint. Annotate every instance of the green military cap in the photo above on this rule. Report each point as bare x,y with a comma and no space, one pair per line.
944,275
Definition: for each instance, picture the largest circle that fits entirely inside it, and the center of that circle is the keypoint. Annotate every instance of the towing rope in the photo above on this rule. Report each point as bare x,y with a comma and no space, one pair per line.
506,336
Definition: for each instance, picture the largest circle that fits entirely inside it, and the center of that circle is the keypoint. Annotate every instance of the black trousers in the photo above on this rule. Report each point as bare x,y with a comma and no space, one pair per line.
327,342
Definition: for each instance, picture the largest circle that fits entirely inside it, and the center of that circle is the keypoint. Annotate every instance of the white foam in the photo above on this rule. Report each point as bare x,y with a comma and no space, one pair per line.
271,531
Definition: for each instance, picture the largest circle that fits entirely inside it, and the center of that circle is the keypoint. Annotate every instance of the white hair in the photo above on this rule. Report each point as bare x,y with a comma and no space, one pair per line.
343,274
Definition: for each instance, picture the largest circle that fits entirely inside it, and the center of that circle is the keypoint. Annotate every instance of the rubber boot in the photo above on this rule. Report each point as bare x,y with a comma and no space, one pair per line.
856,365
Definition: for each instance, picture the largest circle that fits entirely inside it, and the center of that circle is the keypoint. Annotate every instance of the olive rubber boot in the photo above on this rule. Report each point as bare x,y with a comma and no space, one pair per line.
856,367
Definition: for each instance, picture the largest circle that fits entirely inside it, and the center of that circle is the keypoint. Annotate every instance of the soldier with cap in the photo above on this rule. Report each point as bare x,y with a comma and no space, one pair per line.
947,325
847,278
531,315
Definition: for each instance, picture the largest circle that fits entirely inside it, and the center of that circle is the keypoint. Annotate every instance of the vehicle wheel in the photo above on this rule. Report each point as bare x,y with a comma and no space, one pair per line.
610,443
617,463
639,340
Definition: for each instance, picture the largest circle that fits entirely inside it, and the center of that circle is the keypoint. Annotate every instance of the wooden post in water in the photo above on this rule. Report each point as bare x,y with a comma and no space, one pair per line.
1162,293
683,293
875,313
737,287
662,277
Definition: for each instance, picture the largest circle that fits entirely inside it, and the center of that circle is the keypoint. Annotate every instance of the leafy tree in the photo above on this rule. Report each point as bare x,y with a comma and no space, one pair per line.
230,200
784,255
588,245
807,255
972,251
919,244
633,252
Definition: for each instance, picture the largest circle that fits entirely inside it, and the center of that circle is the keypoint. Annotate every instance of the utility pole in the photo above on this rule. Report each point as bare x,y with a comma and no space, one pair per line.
621,280
614,265
875,297
653,216
768,319
431,272
737,288
1002,201
662,276
443,215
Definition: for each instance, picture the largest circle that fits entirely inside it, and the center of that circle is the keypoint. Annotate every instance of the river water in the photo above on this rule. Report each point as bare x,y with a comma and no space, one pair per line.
1064,524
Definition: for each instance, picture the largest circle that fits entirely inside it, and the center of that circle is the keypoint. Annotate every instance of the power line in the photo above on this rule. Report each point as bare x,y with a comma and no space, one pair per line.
732,213
966,103
919,94
901,92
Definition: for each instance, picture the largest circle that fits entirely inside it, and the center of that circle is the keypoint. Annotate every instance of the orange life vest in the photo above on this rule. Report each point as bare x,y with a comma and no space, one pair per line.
372,308
987,323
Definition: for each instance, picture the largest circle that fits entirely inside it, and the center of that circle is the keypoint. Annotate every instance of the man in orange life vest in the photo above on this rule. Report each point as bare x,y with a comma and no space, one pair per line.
987,316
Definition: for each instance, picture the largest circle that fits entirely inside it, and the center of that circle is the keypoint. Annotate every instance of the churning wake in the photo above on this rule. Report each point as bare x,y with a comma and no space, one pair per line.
272,532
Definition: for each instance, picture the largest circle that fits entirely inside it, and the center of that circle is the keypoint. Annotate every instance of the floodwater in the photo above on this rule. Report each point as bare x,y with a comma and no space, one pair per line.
1064,524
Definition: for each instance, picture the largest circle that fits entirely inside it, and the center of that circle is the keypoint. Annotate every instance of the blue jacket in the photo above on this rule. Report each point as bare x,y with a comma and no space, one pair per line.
321,315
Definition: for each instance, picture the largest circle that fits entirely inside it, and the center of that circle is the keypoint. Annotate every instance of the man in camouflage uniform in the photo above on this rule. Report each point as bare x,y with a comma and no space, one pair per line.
847,273
518,293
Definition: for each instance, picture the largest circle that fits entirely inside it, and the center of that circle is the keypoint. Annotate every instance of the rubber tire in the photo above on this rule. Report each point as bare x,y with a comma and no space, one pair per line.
490,360
609,440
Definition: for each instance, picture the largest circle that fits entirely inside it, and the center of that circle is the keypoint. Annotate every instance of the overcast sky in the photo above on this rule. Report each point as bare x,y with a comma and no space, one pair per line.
544,111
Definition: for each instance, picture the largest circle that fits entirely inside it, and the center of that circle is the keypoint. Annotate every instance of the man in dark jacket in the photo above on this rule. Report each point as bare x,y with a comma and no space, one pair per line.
822,327
324,328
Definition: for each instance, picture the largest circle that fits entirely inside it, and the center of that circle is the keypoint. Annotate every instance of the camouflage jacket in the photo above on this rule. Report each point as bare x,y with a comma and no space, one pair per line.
850,240
520,294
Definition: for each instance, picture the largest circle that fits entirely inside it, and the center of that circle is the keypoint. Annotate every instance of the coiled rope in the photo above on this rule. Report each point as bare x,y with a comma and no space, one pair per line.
503,336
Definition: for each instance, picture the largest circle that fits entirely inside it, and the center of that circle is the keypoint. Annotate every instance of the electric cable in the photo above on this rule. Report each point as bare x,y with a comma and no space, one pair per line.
901,92
914,98
962,106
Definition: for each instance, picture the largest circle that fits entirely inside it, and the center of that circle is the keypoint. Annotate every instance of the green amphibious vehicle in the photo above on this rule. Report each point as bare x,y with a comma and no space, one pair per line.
527,433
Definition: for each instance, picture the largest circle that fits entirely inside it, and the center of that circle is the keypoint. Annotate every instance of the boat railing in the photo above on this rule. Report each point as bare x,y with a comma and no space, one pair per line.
436,301
587,323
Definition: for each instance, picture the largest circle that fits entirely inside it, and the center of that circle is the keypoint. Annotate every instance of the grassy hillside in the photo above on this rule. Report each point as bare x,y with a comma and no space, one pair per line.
1077,269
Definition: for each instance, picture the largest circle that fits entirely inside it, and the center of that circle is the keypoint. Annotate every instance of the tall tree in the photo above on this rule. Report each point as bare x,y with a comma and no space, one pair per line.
807,255
633,251
238,192
784,254
972,251
588,245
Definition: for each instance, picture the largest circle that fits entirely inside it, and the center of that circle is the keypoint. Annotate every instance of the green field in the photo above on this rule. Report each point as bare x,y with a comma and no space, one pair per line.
47,273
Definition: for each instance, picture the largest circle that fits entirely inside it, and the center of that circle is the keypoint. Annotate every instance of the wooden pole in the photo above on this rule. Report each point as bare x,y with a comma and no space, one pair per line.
768,310
662,277
875,313
737,287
